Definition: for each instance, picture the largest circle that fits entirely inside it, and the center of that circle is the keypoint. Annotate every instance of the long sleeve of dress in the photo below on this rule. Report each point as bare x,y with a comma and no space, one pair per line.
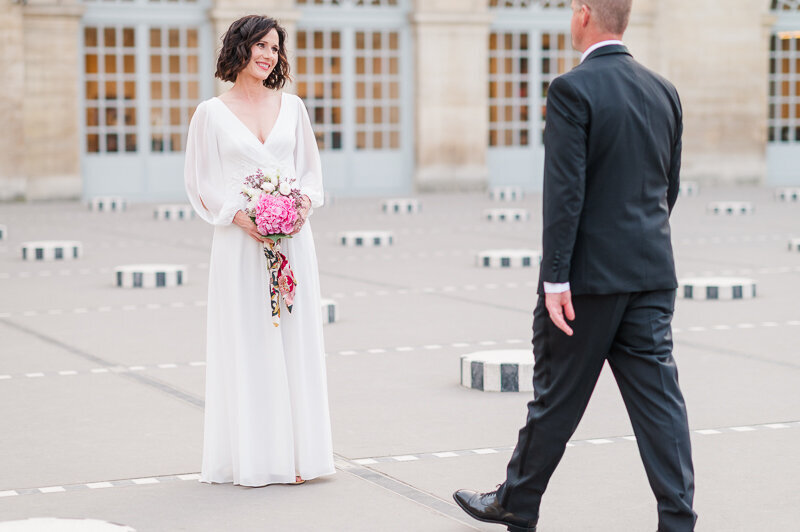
214,199
306,159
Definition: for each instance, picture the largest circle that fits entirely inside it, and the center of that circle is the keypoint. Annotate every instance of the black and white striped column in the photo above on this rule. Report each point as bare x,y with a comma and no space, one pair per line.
366,238
507,193
150,276
107,204
688,188
48,250
788,194
732,208
173,212
509,258
498,371
717,288
329,314
401,206
506,215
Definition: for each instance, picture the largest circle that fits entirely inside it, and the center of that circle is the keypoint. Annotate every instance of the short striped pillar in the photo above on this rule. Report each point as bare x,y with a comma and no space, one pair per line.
401,206
329,314
3,232
506,193
173,212
150,276
688,188
107,204
794,244
509,258
498,371
788,194
731,208
366,238
506,215
717,288
47,250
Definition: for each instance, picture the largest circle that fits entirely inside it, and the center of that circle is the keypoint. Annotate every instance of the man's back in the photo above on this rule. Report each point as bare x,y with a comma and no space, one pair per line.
618,128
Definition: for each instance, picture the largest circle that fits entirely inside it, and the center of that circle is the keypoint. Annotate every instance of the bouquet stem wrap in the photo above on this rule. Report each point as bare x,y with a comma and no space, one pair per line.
281,279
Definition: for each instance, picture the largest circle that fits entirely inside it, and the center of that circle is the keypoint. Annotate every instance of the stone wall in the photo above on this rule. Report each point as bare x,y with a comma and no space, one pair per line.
12,64
451,116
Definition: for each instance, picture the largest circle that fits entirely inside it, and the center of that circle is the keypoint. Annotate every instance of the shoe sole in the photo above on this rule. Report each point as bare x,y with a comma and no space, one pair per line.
511,528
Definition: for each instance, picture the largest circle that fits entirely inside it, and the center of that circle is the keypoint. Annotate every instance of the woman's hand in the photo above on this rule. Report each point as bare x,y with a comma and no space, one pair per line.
247,225
302,214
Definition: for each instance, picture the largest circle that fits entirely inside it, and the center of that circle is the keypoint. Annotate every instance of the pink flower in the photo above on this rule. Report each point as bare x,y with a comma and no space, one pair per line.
275,214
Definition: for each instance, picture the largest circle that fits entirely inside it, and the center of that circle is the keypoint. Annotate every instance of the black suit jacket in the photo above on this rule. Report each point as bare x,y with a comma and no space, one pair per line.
612,158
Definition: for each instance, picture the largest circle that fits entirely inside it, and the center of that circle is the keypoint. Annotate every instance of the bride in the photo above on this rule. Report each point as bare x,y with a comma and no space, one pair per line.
266,413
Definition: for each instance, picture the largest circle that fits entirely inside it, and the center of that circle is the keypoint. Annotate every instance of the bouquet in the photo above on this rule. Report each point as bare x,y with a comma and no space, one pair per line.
274,205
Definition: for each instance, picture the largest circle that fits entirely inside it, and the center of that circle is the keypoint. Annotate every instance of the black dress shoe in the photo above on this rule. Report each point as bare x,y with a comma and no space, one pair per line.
484,507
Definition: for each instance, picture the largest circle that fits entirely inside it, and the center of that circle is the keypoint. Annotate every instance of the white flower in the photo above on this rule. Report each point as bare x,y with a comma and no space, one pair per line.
251,205
267,186
247,190
285,189
273,179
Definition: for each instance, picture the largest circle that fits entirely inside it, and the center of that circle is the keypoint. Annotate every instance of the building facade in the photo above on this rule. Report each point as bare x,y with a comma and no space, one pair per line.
405,95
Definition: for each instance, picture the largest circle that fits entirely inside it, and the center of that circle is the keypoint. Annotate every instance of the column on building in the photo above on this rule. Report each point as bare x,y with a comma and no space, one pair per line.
12,87
716,55
451,119
225,12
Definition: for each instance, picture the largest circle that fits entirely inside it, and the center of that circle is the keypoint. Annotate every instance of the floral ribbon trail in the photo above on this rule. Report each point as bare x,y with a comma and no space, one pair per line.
274,205
281,279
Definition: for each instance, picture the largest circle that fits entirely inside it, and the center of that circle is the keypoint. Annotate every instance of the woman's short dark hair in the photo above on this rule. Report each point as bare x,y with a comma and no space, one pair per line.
238,42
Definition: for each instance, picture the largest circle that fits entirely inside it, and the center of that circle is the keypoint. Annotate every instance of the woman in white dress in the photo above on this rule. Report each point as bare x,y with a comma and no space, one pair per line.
266,412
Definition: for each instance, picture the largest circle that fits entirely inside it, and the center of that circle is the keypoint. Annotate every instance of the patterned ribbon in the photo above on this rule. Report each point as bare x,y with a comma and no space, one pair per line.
281,279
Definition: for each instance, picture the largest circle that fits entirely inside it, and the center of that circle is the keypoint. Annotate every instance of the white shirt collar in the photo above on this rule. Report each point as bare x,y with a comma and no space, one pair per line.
597,45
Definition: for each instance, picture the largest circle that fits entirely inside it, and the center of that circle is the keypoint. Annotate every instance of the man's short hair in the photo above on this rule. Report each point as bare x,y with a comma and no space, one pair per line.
611,15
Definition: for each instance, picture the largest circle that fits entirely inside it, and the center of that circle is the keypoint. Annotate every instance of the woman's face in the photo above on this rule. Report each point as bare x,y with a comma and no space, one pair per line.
264,56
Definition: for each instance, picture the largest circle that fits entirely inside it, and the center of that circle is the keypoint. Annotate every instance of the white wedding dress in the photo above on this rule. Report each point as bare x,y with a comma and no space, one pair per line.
266,410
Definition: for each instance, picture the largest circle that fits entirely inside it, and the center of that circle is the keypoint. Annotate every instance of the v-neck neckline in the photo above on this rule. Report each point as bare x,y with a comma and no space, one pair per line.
253,135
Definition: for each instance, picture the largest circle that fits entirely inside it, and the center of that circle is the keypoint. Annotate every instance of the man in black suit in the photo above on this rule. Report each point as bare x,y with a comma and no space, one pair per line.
612,159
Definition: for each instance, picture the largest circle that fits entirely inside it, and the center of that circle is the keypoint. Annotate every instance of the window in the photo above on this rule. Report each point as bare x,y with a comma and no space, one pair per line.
785,5
377,83
110,78
368,3
510,93
522,4
174,85
784,74
319,83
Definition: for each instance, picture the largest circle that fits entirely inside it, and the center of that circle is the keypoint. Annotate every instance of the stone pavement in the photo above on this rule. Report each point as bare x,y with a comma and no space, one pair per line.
102,387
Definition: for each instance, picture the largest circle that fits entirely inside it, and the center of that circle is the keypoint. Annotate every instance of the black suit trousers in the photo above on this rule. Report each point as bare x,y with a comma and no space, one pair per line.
633,333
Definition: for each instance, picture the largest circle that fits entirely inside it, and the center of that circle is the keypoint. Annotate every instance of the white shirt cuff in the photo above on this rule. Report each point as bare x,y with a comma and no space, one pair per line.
556,288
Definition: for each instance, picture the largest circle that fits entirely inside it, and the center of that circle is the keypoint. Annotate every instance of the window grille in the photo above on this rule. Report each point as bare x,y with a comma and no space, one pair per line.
377,90
785,5
319,83
359,3
511,95
174,85
110,84
784,87
524,4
